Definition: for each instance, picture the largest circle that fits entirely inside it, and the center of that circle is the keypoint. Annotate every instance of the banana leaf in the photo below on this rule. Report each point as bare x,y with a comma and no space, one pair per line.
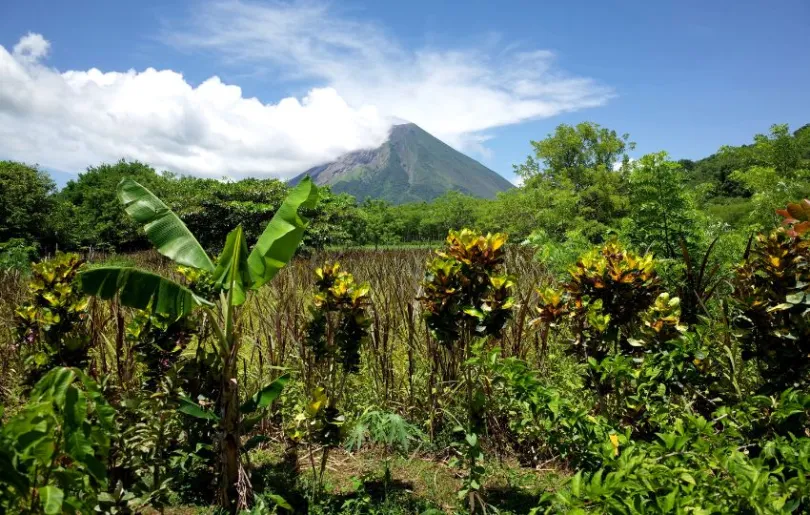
163,227
140,289
281,237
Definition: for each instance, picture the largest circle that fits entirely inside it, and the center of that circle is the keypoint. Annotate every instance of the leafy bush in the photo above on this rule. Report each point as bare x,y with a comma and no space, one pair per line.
622,282
466,293
53,453
152,451
339,323
159,340
336,331
51,325
17,254
770,293
692,468
545,422
467,300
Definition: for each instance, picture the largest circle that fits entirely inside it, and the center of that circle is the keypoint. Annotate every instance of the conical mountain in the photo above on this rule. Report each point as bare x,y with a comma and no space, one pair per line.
411,166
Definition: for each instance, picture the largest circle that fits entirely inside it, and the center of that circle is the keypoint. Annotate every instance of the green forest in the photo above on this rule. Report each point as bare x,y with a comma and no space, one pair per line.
615,335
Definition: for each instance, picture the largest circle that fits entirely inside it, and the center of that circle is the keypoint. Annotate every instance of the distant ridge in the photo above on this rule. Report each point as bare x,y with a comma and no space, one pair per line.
410,166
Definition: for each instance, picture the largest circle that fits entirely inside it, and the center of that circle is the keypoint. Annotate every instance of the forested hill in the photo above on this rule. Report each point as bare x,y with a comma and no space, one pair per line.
411,166
729,180
719,166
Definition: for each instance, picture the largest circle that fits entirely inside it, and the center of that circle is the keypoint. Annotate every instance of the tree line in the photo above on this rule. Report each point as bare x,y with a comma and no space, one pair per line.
578,186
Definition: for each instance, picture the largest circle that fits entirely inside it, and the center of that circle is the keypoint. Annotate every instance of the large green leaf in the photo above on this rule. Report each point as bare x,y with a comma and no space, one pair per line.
280,501
51,498
140,289
75,411
232,267
281,237
105,413
53,387
189,407
165,230
265,396
37,440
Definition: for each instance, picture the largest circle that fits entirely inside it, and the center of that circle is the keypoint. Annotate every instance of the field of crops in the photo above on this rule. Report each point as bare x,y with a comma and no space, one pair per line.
465,378
660,368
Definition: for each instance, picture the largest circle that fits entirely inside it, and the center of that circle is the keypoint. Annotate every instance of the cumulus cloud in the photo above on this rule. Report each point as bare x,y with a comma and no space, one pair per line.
361,81
72,119
31,47
456,94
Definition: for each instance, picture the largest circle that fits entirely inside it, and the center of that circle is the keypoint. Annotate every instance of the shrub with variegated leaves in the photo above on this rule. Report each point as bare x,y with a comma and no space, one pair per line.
609,290
340,321
624,281
466,292
772,298
51,324
337,330
662,321
796,216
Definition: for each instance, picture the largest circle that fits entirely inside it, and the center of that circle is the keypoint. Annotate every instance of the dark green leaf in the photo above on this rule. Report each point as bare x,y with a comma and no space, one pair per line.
280,239
165,230
53,386
265,396
33,438
95,467
232,267
140,289
10,476
280,501
190,407
75,408
248,423
252,442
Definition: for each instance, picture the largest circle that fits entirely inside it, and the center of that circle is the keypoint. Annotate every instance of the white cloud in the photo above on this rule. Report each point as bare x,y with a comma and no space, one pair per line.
31,48
456,94
73,119
361,80
618,164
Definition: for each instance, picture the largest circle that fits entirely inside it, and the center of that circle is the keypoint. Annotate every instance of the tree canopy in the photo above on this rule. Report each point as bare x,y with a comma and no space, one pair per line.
580,184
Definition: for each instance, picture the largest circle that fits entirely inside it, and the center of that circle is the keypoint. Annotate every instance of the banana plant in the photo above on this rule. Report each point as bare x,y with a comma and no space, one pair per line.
236,273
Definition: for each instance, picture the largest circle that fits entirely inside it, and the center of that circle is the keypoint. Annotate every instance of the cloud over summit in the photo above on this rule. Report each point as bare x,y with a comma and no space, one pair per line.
453,93
360,80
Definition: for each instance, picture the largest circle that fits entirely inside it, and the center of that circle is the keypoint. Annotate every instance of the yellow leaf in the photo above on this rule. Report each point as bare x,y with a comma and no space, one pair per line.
317,403
614,441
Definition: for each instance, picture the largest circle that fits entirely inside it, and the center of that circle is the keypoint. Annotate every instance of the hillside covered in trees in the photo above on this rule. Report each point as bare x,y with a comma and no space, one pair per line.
578,186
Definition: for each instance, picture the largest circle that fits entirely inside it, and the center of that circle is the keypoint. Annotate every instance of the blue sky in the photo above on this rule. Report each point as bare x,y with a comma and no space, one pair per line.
487,77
